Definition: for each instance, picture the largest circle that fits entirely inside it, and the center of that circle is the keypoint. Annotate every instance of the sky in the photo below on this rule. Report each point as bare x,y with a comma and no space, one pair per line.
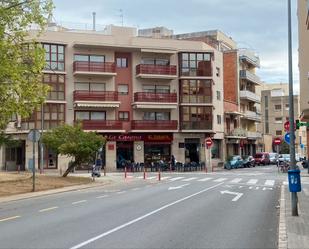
260,25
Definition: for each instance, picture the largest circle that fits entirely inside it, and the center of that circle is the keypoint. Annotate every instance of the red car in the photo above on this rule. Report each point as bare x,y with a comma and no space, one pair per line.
262,158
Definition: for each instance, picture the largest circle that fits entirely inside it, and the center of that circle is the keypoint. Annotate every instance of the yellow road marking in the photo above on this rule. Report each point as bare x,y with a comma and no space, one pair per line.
10,218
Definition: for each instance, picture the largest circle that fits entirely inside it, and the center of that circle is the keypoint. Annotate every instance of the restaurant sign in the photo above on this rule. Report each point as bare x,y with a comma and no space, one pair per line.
141,137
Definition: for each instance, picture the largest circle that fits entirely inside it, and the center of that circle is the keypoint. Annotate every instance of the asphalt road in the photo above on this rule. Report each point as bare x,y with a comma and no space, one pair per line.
229,209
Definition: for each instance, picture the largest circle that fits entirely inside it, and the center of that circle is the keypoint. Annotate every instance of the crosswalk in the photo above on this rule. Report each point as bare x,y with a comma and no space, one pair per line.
252,183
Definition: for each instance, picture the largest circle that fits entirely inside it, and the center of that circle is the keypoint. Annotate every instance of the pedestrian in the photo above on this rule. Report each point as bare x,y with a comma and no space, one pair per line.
173,161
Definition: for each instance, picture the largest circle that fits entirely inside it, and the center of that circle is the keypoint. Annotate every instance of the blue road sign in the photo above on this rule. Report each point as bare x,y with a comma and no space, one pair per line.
287,138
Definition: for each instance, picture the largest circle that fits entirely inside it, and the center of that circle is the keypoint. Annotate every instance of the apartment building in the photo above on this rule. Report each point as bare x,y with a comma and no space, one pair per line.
275,112
241,96
149,97
303,52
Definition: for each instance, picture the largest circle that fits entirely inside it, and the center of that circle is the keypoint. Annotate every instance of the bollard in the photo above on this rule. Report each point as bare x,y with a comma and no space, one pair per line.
205,168
18,168
125,172
144,173
104,171
159,176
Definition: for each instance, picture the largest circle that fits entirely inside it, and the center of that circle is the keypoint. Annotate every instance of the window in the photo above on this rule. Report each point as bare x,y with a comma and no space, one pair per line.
123,89
286,107
218,119
122,62
89,58
89,86
154,61
156,89
278,120
278,133
54,57
90,115
124,116
54,115
156,116
196,91
218,95
57,85
195,64
196,117
217,71
277,107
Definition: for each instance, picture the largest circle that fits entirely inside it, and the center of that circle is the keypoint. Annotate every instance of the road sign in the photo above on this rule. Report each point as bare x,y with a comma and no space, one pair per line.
300,124
34,135
277,141
208,142
287,138
287,126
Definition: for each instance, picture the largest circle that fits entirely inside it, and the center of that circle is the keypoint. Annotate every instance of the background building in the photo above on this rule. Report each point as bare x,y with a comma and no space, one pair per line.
303,56
149,97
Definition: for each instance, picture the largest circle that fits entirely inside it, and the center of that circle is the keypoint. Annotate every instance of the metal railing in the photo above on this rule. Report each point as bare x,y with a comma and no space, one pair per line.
156,69
245,74
154,124
101,124
85,95
86,66
246,94
155,97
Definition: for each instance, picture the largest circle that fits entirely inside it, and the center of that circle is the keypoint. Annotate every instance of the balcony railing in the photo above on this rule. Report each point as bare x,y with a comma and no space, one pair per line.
250,57
156,69
245,94
245,74
84,95
237,132
196,125
254,134
155,97
154,124
252,115
98,67
101,124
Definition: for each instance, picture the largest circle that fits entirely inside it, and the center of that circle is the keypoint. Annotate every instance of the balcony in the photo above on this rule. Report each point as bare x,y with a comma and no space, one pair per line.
84,98
196,125
251,115
254,134
246,75
94,68
102,125
155,100
249,57
156,71
236,133
154,125
248,95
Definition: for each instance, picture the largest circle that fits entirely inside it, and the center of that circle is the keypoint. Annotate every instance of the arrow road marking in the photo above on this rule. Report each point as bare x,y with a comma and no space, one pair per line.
269,183
178,187
238,195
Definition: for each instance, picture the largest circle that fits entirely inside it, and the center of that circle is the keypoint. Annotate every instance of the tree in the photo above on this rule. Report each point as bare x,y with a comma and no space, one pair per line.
22,59
73,141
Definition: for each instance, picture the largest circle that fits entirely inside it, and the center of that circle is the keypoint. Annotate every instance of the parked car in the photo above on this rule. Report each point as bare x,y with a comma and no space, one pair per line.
273,157
262,158
284,158
234,163
249,162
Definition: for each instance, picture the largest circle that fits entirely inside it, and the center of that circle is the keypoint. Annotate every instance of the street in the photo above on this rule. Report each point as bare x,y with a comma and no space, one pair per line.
227,209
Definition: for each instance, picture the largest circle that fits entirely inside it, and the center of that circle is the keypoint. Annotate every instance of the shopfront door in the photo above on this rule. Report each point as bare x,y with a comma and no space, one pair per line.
192,150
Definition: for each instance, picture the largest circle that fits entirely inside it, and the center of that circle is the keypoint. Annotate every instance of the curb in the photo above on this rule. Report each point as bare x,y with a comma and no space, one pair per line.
282,233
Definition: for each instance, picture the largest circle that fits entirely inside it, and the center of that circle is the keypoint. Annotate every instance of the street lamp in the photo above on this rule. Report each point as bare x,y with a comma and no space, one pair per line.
291,110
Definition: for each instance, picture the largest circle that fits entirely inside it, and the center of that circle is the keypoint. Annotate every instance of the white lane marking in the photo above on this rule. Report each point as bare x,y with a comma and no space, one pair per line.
236,198
142,217
77,202
252,181
121,192
240,186
101,196
251,187
176,178
269,183
220,180
48,209
178,187
189,179
165,177
236,180
10,218
267,188
204,179
151,177
257,188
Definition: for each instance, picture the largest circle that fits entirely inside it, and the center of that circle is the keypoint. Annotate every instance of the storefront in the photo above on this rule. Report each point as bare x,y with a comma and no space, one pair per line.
157,148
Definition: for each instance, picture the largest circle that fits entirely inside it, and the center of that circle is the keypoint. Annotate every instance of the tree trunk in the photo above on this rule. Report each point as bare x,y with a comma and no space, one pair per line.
70,168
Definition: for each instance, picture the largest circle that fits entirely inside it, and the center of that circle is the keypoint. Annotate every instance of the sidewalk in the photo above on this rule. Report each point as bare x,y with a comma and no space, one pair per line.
294,231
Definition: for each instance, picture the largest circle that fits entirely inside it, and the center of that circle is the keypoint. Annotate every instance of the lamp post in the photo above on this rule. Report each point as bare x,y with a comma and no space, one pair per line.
291,110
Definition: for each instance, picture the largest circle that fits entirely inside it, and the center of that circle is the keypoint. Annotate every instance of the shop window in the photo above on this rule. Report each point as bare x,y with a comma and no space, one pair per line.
215,149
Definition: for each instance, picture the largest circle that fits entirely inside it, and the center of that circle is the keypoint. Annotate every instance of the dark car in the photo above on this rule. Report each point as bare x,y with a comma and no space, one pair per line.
262,158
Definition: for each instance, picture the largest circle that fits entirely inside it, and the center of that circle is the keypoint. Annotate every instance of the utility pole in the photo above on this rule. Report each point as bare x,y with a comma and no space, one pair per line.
291,110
